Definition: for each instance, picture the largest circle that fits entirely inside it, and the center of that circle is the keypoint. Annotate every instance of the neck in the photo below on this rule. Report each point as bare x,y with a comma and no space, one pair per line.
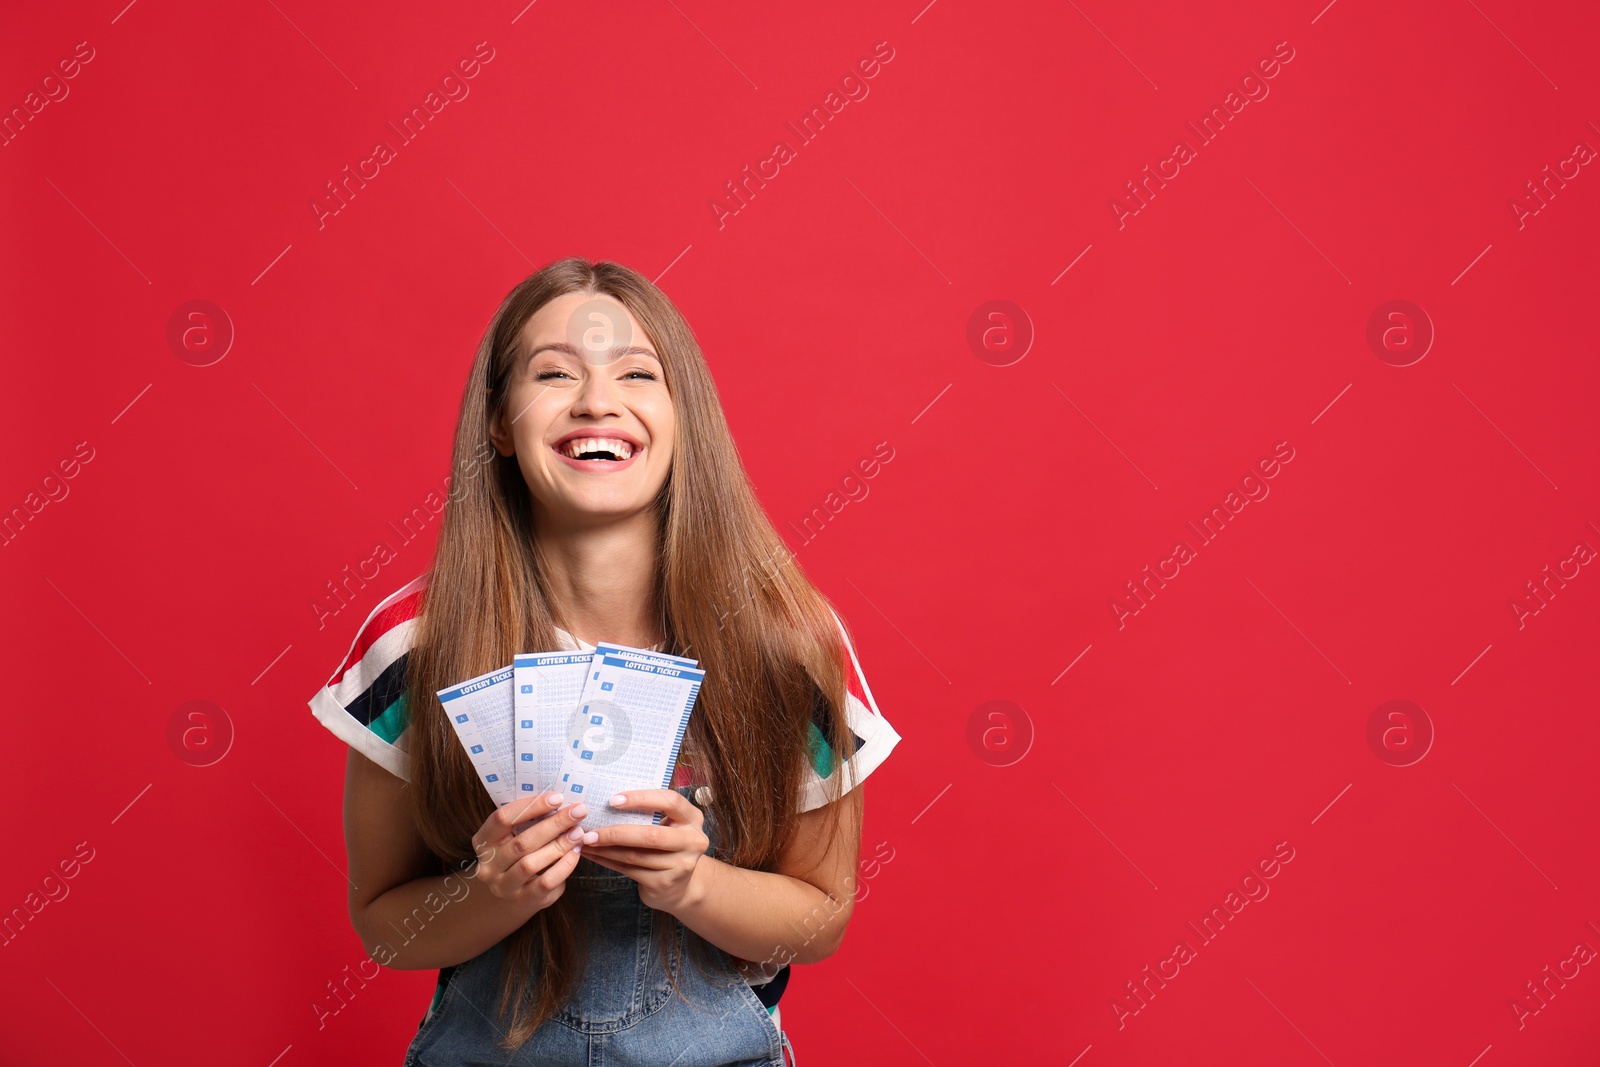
601,578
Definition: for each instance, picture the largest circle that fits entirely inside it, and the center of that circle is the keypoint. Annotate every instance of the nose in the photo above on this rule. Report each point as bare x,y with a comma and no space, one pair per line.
597,395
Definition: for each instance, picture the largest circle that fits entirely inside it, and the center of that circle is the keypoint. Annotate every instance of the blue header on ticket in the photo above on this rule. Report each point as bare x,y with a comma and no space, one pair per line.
550,659
606,648
472,685
668,670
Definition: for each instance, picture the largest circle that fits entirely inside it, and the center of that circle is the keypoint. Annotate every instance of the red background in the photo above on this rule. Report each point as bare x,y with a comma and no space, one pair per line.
1179,349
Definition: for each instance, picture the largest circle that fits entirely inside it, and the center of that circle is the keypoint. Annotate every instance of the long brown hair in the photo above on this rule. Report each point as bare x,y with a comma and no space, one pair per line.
727,591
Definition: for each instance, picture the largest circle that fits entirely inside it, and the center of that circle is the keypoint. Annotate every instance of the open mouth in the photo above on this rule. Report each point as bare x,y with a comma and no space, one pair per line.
597,449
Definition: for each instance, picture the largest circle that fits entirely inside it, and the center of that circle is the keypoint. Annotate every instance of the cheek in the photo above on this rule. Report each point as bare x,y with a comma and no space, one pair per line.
662,423
533,412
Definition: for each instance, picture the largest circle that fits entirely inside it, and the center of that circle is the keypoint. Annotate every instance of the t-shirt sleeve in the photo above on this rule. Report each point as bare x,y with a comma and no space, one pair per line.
871,737
364,703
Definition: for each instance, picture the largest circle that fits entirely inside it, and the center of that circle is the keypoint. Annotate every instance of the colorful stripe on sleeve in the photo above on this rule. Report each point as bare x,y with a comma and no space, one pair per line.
871,735
364,703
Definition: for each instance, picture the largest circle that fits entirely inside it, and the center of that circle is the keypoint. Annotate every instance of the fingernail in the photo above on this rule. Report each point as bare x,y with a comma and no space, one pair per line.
579,810
578,847
553,798
591,837
575,833
620,798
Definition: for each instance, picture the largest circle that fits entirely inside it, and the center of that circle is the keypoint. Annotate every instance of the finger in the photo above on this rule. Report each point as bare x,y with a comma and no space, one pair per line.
556,874
668,801
621,868
500,823
681,811
650,859
536,863
594,857
539,835
500,829
633,835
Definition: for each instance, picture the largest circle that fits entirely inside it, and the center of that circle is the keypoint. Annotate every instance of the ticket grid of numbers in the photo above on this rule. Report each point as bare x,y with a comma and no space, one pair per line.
583,724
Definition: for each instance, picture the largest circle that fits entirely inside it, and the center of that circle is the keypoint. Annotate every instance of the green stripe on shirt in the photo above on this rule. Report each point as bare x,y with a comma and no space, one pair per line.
392,722
822,755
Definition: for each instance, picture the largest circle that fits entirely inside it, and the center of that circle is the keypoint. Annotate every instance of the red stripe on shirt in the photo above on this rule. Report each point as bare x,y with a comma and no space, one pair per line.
852,682
852,679
386,619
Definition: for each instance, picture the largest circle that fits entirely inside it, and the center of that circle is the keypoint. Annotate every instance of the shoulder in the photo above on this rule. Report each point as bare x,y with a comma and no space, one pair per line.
363,703
871,737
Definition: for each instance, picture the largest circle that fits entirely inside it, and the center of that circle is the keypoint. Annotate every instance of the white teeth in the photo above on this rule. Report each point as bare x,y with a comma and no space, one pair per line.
579,447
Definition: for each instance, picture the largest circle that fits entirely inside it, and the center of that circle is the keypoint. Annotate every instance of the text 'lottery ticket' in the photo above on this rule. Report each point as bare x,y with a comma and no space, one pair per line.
586,724
548,686
480,711
627,728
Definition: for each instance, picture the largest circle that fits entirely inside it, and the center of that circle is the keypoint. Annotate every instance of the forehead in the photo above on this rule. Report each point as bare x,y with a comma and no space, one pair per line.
590,324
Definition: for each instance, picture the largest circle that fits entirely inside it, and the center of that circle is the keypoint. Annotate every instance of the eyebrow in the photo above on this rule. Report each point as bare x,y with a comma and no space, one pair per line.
616,353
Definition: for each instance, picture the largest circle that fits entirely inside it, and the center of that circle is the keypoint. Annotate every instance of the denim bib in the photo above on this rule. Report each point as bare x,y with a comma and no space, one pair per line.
624,1012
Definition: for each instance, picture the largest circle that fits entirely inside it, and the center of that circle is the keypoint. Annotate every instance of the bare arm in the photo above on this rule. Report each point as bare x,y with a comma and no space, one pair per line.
410,919
796,914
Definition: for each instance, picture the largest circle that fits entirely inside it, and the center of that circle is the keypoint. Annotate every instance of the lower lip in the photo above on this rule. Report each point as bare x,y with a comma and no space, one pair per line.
599,466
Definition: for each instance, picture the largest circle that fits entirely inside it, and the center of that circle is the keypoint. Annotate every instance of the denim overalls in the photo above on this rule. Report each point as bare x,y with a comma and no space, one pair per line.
624,1012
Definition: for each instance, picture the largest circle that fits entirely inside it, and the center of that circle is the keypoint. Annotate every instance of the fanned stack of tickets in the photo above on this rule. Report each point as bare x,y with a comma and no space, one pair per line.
584,724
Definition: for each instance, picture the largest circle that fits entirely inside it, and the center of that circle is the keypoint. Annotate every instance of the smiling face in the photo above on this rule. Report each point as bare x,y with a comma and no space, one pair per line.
587,412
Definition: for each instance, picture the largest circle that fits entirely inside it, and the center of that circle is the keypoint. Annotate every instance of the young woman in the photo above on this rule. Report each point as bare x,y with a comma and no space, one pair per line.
597,496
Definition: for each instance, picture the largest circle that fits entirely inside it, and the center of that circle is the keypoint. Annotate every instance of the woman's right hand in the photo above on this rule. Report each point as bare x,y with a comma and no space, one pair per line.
529,870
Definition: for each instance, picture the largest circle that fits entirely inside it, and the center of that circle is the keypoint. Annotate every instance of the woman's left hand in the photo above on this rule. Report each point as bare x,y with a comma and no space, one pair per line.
662,859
